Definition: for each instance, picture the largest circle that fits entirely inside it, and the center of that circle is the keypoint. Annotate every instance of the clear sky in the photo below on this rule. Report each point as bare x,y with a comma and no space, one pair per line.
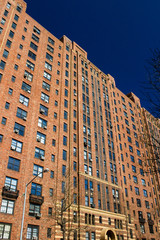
117,34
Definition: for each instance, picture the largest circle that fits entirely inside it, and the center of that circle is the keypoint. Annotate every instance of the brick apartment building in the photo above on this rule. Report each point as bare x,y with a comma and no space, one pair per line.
59,111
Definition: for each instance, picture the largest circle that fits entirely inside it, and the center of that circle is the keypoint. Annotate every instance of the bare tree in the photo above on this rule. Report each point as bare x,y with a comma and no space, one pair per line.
65,210
151,87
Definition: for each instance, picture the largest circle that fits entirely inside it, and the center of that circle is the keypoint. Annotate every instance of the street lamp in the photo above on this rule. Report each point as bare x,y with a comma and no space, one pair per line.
24,204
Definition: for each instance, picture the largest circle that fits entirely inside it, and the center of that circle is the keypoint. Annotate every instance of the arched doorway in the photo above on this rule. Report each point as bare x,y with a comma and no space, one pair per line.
108,234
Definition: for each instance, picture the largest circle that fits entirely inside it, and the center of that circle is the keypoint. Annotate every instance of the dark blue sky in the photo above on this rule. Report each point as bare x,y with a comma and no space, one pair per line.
117,34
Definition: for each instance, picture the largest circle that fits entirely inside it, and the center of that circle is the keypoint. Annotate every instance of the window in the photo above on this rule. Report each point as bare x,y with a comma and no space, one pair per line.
64,155
16,17
49,233
47,75
63,187
30,65
53,158
134,169
32,55
145,193
42,123
50,49
50,40
35,38
3,21
135,180
49,57
43,110
64,140
5,53
50,211
45,97
7,206
2,65
13,78
136,190
14,25
11,183
51,192
48,66
33,209
21,114
24,100
63,170
7,105
65,127
39,153
32,232
53,142
1,138
16,67
8,5
52,174
19,129
36,30
5,230
26,87
37,170
36,189
34,46
16,146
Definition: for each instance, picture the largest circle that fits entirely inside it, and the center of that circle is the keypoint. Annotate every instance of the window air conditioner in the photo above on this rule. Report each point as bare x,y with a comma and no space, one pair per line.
13,148
91,160
45,127
86,171
42,111
42,157
38,215
92,189
28,91
24,118
16,131
38,139
21,101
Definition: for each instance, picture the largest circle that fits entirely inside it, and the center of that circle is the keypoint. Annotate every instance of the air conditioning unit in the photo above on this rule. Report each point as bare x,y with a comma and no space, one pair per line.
25,76
91,189
75,94
47,88
13,148
89,134
86,171
42,157
46,100
21,101
38,139
85,144
34,238
92,205
24,118
45,127
42,111
7,188
28,91
38,215
16,131
91,160
115,211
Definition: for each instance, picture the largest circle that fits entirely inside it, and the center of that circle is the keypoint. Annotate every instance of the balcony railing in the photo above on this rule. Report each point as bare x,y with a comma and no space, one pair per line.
9,193
36,199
